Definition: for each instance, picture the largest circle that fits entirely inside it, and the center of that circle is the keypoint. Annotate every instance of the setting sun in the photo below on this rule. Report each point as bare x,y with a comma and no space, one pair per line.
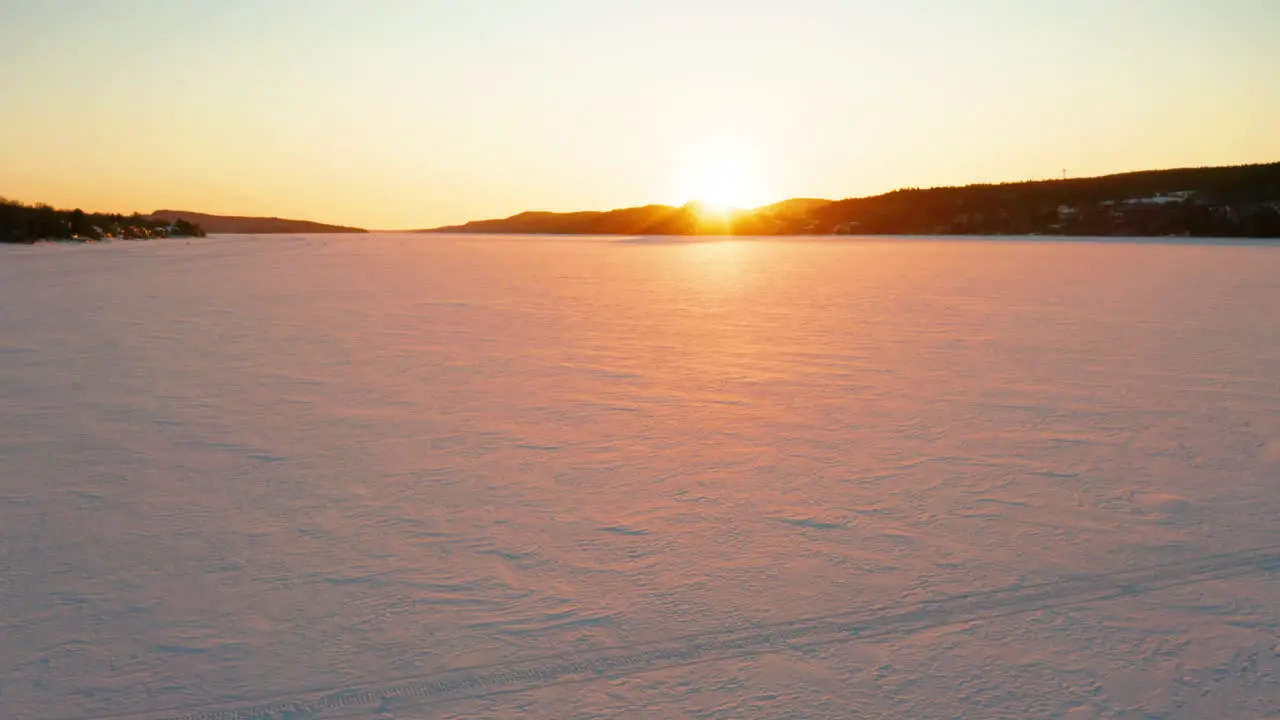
722,175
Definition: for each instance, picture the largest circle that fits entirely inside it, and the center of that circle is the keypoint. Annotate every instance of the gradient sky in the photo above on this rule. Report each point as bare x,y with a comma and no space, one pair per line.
414,113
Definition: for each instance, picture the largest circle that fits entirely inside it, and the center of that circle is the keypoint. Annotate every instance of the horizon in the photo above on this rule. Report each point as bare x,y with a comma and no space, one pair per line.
714,208
398,115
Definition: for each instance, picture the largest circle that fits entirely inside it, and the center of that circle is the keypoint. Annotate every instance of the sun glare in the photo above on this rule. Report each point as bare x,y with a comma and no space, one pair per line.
722,177
723,184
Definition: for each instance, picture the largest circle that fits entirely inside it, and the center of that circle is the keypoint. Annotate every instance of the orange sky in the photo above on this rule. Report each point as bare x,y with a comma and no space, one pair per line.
400,113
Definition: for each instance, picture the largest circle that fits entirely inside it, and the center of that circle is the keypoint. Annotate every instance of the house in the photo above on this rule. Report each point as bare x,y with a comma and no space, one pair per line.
1167,199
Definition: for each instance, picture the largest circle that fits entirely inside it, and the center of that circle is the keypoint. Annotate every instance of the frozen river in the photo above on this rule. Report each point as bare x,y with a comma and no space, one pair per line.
396,476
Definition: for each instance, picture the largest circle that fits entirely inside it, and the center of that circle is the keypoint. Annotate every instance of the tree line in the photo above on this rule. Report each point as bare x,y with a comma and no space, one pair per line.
1242,201
24,223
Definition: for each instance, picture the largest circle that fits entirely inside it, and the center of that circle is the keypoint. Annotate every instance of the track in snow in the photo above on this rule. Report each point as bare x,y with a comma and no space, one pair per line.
862,625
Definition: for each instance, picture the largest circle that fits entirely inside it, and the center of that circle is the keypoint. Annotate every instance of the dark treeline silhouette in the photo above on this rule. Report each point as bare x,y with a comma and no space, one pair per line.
647,220
1242,201
22,223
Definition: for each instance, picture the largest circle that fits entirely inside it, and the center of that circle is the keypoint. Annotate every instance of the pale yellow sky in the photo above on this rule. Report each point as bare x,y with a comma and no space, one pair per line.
415,113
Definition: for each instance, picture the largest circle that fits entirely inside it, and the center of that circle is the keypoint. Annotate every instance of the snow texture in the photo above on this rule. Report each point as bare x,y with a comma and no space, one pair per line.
398,476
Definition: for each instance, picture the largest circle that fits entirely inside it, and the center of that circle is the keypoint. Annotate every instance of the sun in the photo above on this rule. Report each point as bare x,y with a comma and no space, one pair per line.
722,175
722,182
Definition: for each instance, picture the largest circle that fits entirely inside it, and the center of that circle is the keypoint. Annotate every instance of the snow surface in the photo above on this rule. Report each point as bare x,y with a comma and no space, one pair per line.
437,477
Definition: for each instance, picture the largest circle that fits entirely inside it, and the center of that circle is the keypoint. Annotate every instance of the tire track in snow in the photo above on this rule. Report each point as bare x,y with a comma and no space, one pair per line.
862,625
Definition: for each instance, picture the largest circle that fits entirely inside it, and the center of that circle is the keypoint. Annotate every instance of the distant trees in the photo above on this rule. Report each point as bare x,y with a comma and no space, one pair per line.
82,227
46,222
1204,202
182,228
22,223
14,221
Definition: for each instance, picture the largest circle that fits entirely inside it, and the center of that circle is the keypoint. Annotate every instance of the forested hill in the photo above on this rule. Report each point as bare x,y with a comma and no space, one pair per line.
22,223
1240,201
252,225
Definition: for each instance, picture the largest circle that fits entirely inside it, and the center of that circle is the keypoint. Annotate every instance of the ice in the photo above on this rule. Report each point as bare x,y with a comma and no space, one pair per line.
395,476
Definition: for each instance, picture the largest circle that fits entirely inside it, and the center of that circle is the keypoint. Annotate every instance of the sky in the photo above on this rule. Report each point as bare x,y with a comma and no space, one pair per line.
396,114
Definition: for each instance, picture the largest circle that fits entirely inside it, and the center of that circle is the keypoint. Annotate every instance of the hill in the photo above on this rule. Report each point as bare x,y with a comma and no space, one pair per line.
1240,201
795,206
250,225
646,220
691,219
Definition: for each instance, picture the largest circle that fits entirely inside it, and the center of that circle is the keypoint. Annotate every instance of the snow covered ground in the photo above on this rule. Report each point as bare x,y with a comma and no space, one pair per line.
429,477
